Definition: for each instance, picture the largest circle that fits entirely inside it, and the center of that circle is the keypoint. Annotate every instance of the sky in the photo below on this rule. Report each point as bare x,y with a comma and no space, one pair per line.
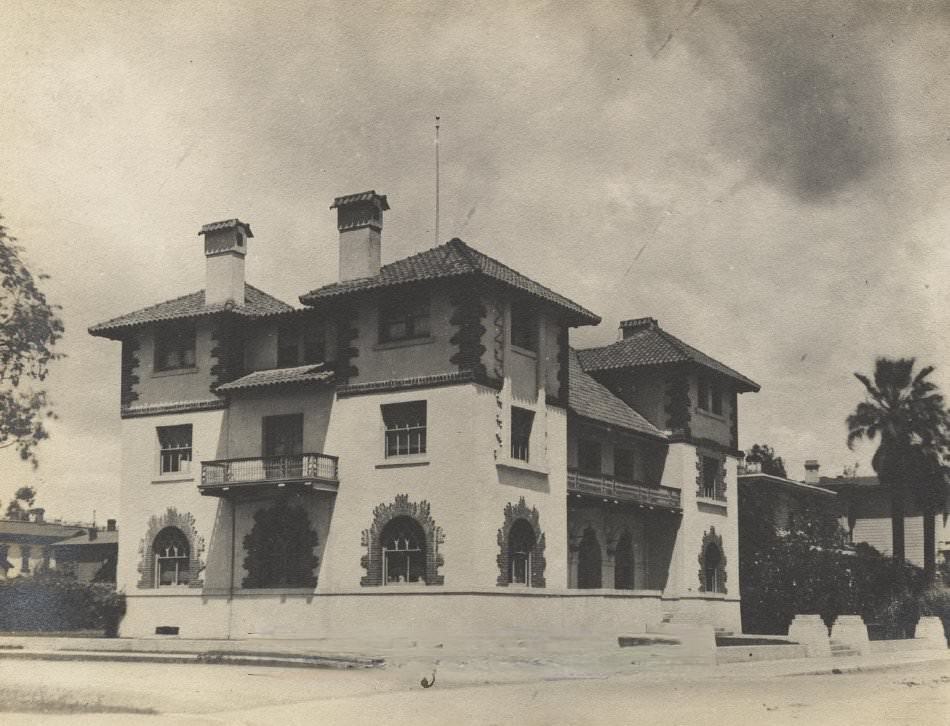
768,179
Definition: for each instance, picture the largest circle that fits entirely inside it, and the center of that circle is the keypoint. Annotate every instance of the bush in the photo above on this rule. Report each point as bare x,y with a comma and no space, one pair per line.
53,603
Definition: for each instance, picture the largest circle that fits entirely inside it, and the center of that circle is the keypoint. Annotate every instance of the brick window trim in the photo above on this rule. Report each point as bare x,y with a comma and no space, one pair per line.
185,522
513,514
383,514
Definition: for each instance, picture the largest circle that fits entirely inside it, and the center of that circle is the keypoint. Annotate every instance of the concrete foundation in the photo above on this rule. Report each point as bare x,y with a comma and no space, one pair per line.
851,631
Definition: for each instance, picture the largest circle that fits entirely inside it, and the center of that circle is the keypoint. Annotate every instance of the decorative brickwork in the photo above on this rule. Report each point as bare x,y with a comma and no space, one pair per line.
677,402
467,317
719,486
185,523
372,561
130,364
515,513
498,369
734,420
158,409
404,384
227,351
712,540
346,350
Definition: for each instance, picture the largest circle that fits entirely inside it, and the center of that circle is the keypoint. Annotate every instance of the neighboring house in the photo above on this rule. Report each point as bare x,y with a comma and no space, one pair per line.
784,496
865,512
89,556
26,544
417,447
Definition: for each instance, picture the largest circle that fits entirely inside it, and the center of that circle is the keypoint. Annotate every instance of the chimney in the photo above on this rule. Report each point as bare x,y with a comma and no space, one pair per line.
110,525
811,471
631,327
93,533
359,218
225,247
38,514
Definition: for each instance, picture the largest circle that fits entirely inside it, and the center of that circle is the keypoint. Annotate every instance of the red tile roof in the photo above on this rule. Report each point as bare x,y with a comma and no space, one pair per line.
590,399
650,345
279,376
256,304
361,197
453,259
226,224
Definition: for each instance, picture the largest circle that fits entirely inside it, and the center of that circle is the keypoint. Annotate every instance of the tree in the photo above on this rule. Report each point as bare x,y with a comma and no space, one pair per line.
24,496
29,329
929,473
906,413
765,455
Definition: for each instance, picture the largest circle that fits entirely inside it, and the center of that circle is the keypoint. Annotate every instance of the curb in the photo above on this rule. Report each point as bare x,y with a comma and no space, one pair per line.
208,658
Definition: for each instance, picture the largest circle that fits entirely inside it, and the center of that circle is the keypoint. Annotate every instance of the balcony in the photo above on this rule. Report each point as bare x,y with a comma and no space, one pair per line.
230,477
606,487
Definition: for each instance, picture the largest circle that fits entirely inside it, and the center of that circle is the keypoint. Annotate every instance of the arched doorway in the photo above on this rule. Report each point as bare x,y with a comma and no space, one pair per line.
520,546
404,552
588,561
712,562
624,562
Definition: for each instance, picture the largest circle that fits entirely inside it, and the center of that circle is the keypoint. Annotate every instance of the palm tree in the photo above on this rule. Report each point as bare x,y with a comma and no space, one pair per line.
930,473
907,413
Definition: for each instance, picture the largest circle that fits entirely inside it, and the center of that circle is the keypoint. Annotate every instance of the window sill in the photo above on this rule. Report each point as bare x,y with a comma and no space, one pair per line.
709,414
712,501
524,351
519,465
173,478
174,372
406,342
395,462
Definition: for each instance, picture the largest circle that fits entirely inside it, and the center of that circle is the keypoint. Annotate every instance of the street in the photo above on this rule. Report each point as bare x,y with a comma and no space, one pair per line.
112,693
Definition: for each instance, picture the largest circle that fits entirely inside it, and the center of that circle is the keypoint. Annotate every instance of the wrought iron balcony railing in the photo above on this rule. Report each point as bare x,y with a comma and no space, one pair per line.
265,469
606,486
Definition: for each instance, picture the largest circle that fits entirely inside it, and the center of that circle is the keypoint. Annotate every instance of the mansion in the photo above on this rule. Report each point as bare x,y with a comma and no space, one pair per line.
418,448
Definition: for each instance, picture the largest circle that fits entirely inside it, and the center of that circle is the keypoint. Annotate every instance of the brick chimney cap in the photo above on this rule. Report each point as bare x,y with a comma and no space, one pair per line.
370,196
650,323
226,224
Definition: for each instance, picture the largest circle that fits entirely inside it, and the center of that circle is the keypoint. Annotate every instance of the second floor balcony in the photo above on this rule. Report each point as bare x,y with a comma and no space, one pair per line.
607,487
225,477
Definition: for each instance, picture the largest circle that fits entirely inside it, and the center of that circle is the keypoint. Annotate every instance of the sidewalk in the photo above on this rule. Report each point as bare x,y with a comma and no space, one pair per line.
463,662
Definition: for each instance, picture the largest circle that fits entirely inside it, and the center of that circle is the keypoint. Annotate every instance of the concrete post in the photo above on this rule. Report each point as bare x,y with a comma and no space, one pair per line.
811,631
850,630
930,631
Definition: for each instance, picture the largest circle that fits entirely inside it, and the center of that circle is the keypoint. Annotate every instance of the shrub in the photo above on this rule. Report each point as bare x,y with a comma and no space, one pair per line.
51,603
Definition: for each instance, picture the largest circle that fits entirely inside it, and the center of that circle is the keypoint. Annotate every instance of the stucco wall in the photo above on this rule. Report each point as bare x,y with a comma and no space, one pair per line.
192,384
245,416
706,424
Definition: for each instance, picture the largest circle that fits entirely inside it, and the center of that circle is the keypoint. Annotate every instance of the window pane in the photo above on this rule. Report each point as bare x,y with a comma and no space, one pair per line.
174,448
703,396
175,346
405,428
521,423
524,326
401,318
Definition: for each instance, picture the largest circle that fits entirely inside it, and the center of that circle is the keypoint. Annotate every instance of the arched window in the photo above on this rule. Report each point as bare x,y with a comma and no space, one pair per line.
623,563
172,558
404,552
520,545
588,561
711,567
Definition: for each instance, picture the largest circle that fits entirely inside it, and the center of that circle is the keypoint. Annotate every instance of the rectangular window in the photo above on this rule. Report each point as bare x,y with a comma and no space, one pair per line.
174,449
623,464
404,318
524,326
299,345
405,428
521,422
715,393
711,487
175,346
588,456
703,394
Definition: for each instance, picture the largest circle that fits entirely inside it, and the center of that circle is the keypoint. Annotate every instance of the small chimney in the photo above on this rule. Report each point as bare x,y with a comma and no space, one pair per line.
38,514
359,218
110,525
225,247
93,533
811,471
631,327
